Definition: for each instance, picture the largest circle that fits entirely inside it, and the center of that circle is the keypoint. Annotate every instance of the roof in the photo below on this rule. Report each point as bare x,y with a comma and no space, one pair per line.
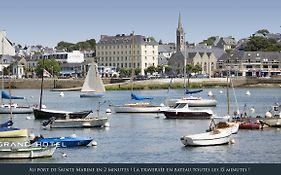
270,56
126,39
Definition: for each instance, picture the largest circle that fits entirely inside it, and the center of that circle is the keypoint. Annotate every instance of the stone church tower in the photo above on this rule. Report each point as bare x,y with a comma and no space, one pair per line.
180,36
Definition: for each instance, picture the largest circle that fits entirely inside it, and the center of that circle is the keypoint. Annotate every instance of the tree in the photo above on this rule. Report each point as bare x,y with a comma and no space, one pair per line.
7,70
263,31
150,69
151,38
82,45
168,69
160,68
210,41
125,72
51,65
258,43
137,71
197,68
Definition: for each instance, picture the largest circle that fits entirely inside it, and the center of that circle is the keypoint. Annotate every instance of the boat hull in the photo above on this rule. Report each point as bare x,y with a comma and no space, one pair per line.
79,123
130,109
250,126
91,95
272,122
187,115
16,110
12,133
206,139
47,114
65,142
27,153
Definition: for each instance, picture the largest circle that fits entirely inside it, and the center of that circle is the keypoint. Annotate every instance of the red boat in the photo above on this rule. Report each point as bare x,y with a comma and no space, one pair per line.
250,123
250,126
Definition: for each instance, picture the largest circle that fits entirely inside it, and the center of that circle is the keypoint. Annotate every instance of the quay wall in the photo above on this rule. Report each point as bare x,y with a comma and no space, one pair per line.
204,82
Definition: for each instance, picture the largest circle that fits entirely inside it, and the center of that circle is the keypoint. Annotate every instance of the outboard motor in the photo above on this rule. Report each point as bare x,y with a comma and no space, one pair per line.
51,120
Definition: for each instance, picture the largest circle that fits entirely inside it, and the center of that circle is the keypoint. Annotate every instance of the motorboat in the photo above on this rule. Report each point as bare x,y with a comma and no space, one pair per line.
16,108
141,107
27,152
87,122
182,111
62,142
250,123
193,101
273,117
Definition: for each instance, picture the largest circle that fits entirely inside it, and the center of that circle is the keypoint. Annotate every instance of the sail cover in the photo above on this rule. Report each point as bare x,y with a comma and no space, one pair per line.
192,92
93,81
6,95
136,97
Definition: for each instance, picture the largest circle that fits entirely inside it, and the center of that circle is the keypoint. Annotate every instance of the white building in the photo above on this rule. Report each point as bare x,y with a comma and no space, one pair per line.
66,57
6,46
127,51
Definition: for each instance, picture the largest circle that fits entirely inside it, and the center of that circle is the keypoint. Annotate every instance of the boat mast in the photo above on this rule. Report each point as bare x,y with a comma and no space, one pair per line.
41,89
10,98
2,65
227,92
184,66
132,61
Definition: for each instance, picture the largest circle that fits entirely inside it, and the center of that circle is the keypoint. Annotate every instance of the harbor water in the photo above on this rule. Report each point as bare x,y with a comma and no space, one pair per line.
150,138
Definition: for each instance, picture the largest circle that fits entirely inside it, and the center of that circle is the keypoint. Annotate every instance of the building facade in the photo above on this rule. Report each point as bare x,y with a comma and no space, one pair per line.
127,51
250,64
203,55
65,57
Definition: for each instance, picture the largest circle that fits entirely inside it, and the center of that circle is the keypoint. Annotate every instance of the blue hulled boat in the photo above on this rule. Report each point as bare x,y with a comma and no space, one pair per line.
63,142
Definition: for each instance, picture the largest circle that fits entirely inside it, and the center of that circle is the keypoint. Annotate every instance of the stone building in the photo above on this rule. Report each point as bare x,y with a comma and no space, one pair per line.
200,54
127,51
251,64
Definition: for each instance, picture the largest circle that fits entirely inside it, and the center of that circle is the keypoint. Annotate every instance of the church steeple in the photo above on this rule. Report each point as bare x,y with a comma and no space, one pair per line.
179,21
180,35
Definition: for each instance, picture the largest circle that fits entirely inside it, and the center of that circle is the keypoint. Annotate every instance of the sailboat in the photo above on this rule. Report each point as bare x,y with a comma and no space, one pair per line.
93,85
139,107
42,113
5,108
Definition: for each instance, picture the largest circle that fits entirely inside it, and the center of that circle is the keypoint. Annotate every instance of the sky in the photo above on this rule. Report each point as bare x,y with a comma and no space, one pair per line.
32,22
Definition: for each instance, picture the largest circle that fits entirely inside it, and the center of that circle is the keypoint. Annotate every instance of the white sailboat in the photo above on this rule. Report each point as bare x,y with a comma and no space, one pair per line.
93,85
214,137
218,134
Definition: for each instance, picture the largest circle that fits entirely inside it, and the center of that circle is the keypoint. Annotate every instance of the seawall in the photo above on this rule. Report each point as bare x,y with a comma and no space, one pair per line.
112,84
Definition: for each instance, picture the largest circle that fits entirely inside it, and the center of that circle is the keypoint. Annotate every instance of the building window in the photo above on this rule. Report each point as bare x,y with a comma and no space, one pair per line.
249,66
145,65
275,66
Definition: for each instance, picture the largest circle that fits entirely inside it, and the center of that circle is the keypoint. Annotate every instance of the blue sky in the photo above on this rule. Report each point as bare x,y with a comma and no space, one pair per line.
47,22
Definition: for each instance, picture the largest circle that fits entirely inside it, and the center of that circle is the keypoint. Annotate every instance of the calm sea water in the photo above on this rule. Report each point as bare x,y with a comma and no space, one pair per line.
148,138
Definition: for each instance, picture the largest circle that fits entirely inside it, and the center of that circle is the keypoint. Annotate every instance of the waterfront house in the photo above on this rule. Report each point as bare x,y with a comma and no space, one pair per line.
250,64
